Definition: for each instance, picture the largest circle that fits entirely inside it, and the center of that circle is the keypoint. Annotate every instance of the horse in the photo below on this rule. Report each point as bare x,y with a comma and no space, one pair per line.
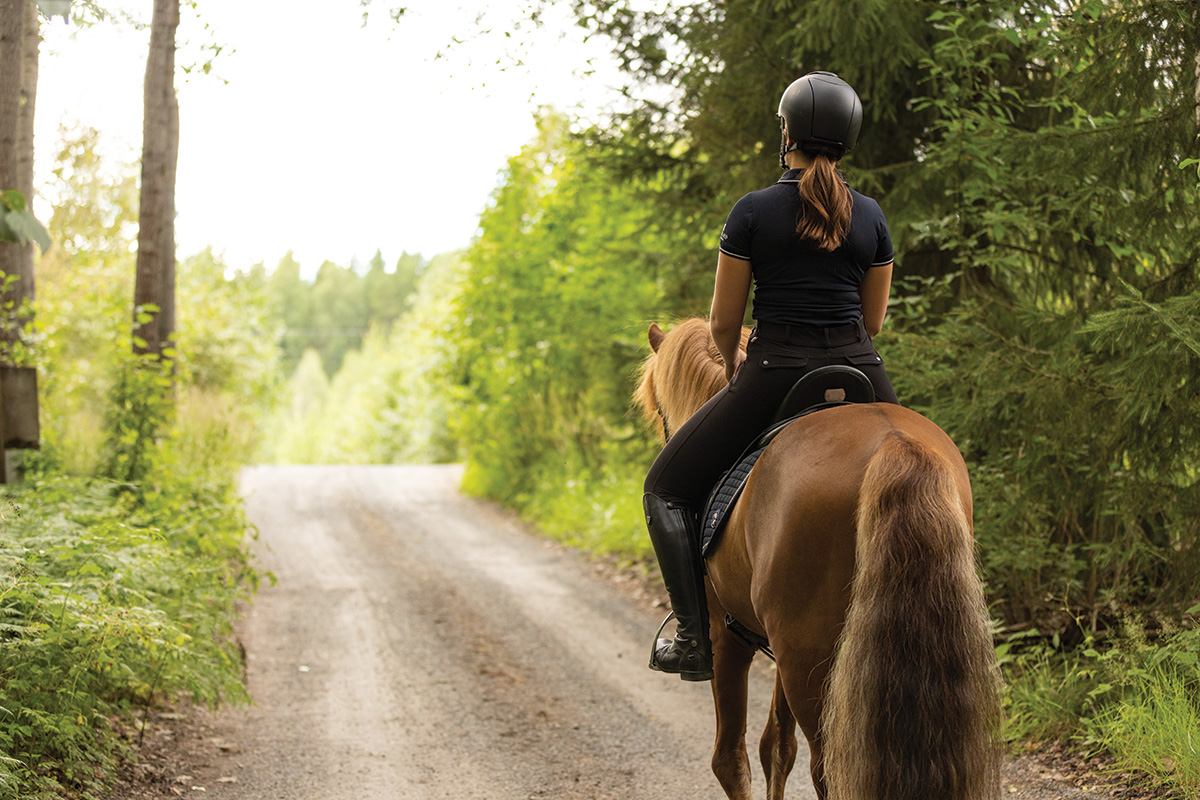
851,550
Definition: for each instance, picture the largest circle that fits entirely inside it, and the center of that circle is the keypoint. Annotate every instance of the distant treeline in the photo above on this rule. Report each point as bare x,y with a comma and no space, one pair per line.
332,312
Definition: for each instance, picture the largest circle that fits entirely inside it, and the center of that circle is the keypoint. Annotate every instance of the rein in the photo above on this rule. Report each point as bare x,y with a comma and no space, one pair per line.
662,416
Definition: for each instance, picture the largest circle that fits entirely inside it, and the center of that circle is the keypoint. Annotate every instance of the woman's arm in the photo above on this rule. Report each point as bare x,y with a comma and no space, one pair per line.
729,309
874,291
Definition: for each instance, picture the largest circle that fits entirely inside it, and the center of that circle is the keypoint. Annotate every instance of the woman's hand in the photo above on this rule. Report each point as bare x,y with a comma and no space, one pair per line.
731,369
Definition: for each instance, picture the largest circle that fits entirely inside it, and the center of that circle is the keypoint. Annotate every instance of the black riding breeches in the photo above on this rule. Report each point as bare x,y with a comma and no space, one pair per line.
776,357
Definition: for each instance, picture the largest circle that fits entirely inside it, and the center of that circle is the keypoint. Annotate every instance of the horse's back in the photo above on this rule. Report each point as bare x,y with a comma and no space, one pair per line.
819,462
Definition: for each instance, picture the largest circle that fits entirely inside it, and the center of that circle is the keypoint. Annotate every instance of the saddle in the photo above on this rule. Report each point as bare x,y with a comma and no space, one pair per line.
825,387
822,388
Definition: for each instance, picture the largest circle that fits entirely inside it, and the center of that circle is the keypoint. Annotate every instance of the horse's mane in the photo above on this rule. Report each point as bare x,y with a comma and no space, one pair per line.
682,375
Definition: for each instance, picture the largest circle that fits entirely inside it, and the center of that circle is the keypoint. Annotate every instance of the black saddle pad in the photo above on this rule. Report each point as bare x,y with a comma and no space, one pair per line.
726,493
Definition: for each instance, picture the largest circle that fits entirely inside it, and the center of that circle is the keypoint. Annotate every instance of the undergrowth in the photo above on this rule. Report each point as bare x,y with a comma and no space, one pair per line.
1133,695
107,602
119,591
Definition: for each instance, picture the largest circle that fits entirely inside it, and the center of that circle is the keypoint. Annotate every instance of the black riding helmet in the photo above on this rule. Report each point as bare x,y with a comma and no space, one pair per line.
821,114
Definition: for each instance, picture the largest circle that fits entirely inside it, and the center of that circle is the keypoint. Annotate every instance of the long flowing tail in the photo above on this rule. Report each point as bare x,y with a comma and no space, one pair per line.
913,708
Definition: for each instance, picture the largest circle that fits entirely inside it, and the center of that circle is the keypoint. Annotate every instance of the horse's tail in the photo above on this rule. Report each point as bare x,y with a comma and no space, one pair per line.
913,705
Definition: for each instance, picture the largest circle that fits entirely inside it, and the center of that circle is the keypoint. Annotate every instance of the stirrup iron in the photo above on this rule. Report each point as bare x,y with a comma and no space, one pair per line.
654,645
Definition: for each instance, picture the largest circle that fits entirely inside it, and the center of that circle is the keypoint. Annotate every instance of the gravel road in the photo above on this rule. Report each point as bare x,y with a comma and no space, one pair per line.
419,644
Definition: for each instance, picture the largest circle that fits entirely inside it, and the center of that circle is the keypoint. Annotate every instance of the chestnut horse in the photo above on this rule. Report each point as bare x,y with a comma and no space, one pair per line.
851,550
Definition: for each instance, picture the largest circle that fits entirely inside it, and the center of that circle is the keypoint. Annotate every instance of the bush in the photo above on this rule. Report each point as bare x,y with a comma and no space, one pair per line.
107,602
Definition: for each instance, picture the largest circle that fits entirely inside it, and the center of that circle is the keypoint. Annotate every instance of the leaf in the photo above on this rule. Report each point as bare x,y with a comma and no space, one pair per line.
55,8
26,228
13,200
1185,658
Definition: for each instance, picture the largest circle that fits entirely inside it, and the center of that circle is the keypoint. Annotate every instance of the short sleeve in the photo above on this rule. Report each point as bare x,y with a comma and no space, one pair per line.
883,250
735,236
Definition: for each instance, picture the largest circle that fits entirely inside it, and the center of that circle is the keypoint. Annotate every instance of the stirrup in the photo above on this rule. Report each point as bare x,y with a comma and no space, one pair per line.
670,617
654,644
687,675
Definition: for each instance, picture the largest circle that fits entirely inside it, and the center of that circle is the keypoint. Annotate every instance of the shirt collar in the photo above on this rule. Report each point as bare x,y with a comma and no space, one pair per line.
791,176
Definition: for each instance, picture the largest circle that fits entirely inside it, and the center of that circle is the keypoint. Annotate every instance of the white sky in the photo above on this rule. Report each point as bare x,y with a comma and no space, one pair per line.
330,139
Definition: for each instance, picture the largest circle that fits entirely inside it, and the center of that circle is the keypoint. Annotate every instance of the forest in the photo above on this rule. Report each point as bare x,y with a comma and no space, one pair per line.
1039,166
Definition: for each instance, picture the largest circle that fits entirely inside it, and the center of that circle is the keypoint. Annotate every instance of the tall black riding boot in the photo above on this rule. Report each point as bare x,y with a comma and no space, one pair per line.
673,534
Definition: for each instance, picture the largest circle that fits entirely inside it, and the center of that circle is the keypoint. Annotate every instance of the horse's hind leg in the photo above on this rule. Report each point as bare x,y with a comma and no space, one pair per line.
778,746
802,680
731,668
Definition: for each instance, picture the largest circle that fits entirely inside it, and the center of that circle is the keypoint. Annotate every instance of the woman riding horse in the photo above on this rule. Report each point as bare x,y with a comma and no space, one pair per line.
820,257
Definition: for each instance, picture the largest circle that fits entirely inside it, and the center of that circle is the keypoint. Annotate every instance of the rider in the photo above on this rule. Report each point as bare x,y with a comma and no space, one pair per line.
820,257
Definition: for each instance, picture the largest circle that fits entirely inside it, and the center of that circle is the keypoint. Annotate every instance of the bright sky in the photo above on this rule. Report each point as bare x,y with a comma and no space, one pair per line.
329,139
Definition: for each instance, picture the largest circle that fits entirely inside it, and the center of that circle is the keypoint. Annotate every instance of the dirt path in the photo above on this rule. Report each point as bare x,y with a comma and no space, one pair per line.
421,645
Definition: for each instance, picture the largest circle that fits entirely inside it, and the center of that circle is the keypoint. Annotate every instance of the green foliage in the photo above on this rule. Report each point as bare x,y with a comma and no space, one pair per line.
19,351
1045,312
119,592
85,284
226,342
139,410
1155,732
332,313
1049,694
1067,374
550,325
1132,696
105,604
1079,440
17,223
228,337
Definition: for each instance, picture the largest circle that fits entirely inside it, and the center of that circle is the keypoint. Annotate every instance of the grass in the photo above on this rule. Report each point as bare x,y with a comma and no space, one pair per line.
1156,730
1134,700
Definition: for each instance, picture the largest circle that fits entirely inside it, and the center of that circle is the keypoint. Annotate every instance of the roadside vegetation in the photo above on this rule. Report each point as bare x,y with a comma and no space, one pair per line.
123,551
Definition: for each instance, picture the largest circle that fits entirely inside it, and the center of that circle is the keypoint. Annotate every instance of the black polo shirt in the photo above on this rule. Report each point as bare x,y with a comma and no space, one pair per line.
794,282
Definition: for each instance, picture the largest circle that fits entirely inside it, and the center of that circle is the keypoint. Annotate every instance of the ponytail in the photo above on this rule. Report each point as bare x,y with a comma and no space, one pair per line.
825,205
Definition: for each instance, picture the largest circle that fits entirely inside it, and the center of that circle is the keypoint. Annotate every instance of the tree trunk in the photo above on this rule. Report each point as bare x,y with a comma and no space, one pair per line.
17,91
30,45
156,219
19,40
12,26
167,299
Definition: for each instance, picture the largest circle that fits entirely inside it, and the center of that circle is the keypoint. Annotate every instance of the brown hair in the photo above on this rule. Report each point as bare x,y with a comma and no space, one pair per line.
825,205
